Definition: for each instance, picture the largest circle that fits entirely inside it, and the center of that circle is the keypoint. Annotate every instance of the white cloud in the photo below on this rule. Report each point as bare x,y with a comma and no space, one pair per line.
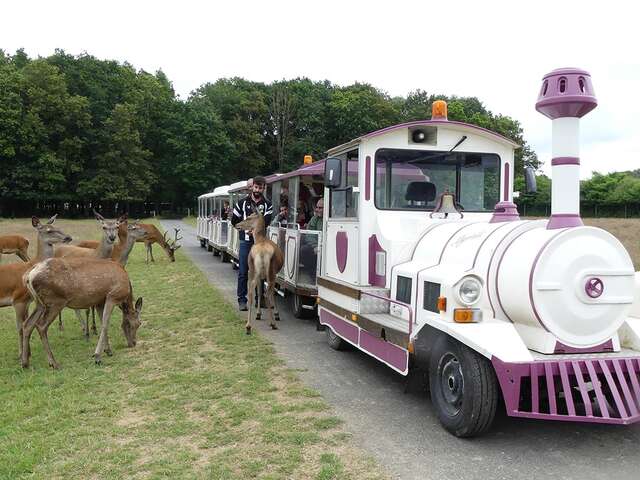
497,51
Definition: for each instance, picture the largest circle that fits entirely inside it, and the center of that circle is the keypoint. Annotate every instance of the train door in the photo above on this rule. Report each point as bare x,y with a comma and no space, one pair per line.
341,256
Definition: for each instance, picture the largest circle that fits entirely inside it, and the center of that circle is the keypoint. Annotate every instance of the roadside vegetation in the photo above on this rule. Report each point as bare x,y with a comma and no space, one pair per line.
196,398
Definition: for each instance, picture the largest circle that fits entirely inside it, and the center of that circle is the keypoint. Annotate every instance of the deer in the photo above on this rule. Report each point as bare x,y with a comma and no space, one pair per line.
79,283
12,290
265,261
14,244
154,236
110,229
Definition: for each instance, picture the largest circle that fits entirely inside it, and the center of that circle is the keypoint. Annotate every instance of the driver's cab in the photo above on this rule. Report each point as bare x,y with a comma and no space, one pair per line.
385,188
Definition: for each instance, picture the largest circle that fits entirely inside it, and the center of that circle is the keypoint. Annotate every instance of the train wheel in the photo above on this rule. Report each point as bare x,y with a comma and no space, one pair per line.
216,252
335,341
209,247
202,243
297,302
225,257
464,390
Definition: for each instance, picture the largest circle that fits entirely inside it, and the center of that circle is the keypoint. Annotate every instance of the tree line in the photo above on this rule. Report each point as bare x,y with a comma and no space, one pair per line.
76,131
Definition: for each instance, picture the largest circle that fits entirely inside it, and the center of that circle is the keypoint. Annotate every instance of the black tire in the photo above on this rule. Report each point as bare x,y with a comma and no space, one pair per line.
216,252
225,257
209,247
297,301
464,389
335,341
202,243
235,266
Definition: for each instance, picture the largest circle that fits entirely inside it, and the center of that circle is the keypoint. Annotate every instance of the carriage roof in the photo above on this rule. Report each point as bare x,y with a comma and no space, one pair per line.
223,190
460,126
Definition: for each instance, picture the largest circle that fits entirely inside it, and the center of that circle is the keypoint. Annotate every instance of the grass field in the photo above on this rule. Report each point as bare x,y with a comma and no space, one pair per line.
196,398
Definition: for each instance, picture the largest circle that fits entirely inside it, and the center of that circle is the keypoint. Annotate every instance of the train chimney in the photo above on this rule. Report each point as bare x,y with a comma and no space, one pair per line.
565,97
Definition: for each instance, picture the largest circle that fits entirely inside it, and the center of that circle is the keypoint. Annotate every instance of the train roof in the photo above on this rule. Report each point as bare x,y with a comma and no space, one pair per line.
234,187
461,126
219,191
315,168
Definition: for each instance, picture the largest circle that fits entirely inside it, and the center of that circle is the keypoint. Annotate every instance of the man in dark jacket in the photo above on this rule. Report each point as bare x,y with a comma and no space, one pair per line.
241,210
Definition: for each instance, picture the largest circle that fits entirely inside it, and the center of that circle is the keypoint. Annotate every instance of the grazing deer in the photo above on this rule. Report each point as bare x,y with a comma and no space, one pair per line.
12,290
79,283
154,236
14,244
265,261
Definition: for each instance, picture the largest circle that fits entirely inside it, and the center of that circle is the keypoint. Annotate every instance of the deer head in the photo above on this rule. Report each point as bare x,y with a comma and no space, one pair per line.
253,223
173,245
49,234
135,231
131,319
110,227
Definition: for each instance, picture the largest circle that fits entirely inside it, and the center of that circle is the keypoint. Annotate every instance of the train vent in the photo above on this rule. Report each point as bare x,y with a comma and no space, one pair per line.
403,290
431,294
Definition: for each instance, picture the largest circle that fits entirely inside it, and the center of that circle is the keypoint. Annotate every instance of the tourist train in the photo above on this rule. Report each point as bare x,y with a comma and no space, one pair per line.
424,263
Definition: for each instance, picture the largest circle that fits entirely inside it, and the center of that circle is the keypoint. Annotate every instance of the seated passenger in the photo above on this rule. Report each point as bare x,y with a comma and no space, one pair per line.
302,215
316,221
283,215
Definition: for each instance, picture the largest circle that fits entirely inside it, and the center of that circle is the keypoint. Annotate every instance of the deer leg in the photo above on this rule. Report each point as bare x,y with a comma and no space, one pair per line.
94,330
151,253
23,256
270,304
252,292
84,323
27,330
43,327
60,325
21,316
258,298
106,315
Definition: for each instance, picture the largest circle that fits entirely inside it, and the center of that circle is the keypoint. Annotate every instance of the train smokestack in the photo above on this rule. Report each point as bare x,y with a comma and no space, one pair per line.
565,97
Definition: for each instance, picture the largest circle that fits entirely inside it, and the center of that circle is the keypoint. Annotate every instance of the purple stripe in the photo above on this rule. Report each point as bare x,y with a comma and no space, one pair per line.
564,220
395,356
341,327
342,250
505,193
565,161
533,269
367,179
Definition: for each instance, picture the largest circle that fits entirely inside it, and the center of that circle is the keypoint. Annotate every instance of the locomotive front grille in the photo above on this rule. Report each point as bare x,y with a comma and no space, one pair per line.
597,389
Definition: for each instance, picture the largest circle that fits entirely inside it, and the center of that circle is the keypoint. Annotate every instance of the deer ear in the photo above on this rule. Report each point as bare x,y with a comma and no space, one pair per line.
52,219
35,221
139,304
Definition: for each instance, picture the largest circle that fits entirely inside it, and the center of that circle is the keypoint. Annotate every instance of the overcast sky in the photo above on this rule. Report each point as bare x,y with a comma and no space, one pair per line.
496,51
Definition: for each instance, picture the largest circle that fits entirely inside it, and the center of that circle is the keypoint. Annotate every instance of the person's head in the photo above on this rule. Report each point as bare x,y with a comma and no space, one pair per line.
301,206
258,186
319,208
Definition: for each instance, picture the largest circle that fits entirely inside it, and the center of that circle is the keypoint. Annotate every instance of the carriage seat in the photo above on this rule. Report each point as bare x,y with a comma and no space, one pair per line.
419,194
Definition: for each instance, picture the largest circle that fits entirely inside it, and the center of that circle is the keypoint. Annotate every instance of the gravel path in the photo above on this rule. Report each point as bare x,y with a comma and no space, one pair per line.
401,430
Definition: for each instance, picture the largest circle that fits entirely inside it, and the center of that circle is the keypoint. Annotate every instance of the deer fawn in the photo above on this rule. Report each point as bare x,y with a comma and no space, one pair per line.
80,283
14,244
12,290
265,261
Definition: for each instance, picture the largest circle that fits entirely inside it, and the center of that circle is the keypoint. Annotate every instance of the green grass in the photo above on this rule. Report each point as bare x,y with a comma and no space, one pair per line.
196,398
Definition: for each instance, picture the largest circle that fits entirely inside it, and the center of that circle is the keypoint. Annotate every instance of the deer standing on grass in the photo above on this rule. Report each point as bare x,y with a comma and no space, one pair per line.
265,261
12,290
128,235
79,283
14,244
154,236
110,229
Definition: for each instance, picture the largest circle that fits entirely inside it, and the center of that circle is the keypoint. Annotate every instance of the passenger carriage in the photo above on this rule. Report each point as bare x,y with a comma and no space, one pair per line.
427,266
298,191
220,220
204,214
236,192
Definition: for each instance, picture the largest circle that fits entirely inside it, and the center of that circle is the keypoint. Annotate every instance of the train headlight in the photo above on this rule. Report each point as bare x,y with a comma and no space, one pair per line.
469,290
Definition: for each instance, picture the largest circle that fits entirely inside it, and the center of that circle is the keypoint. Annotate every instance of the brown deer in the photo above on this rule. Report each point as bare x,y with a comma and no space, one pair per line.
12,290
154,236
265,261
79,283
14,244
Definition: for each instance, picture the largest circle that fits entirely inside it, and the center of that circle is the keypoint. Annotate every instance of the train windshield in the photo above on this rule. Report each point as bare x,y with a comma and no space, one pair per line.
415,179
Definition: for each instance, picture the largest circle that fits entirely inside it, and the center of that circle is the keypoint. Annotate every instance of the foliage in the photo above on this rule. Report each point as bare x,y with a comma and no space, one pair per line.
79,129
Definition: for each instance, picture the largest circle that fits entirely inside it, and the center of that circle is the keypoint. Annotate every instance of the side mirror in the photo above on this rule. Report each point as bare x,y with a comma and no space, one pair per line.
333,173
530,180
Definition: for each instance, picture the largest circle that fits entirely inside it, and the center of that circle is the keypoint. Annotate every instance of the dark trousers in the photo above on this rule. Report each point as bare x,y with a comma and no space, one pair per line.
243,269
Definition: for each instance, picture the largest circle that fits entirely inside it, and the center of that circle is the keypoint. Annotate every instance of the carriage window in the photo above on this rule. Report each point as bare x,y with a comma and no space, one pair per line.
415,179
344,202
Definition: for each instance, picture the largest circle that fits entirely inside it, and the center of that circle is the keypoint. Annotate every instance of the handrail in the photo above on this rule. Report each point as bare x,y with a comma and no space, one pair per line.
396,302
